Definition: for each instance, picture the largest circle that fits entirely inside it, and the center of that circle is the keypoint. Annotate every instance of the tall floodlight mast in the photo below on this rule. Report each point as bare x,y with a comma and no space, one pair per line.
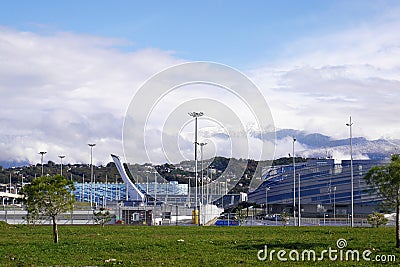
195,115
294,185
351,172
91,174
41,159
202,169
61,168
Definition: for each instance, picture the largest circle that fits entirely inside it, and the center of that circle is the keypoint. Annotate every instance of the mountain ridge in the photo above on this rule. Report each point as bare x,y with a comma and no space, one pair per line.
313,145
319,145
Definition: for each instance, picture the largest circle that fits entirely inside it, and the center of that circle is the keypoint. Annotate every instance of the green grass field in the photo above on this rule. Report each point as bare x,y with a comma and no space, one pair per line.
201,246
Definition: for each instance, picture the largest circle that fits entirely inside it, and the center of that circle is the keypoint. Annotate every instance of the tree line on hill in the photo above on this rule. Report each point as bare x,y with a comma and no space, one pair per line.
170,172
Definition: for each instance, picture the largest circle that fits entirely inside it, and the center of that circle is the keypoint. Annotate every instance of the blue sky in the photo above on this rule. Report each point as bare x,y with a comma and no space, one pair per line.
224,31
69,69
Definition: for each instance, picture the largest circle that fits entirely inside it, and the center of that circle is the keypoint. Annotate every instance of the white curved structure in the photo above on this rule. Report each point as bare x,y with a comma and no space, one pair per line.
133,192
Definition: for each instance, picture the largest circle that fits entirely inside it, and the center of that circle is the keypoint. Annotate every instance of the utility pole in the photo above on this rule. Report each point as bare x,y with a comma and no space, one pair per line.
41,159
196,115
299,224
266,200
351,172
202,176
334,202
61,169
91,174
294,185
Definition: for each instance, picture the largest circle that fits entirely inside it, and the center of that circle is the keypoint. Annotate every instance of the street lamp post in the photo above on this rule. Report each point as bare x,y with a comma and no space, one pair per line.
189,192
41,158
61,159
10,185
351,172
91,174
155,188
294,185
299,213
195,115
266,200
334,202
209,176
202,177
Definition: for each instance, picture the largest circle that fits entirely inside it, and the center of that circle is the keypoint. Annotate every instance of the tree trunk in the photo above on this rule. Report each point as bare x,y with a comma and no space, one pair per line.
55,229
398,225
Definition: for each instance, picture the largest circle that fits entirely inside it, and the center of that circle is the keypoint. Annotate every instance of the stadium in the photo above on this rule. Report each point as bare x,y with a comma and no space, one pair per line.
324,188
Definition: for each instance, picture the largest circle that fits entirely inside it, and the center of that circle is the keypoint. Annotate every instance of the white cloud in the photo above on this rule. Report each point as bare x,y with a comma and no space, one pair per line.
61,91
320,81
284,148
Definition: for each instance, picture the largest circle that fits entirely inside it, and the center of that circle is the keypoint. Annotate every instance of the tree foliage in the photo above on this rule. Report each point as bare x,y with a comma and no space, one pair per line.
385,180
102,217
285,217
47,197
377,219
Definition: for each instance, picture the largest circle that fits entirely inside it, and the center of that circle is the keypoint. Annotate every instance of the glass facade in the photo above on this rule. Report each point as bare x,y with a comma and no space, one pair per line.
321,182
106,192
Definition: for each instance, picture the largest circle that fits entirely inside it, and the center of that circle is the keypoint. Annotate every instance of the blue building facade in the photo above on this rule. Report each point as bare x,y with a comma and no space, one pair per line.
323,185
108,192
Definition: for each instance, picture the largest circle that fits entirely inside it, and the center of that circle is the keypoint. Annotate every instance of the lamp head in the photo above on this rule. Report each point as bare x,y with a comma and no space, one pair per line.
195,114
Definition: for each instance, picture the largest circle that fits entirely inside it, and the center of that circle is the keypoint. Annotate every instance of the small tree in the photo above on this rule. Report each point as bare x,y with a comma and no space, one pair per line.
102,217
48,196
285,217
240,215
376,219
385,180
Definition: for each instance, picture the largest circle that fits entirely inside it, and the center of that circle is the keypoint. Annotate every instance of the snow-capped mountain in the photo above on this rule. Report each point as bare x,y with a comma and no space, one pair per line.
314,144
319,145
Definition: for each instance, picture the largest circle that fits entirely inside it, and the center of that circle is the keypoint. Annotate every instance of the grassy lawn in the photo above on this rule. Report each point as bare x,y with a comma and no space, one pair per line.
201,246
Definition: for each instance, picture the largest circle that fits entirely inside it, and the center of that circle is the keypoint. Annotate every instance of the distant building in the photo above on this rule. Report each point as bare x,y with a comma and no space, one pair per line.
325,188
106,192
